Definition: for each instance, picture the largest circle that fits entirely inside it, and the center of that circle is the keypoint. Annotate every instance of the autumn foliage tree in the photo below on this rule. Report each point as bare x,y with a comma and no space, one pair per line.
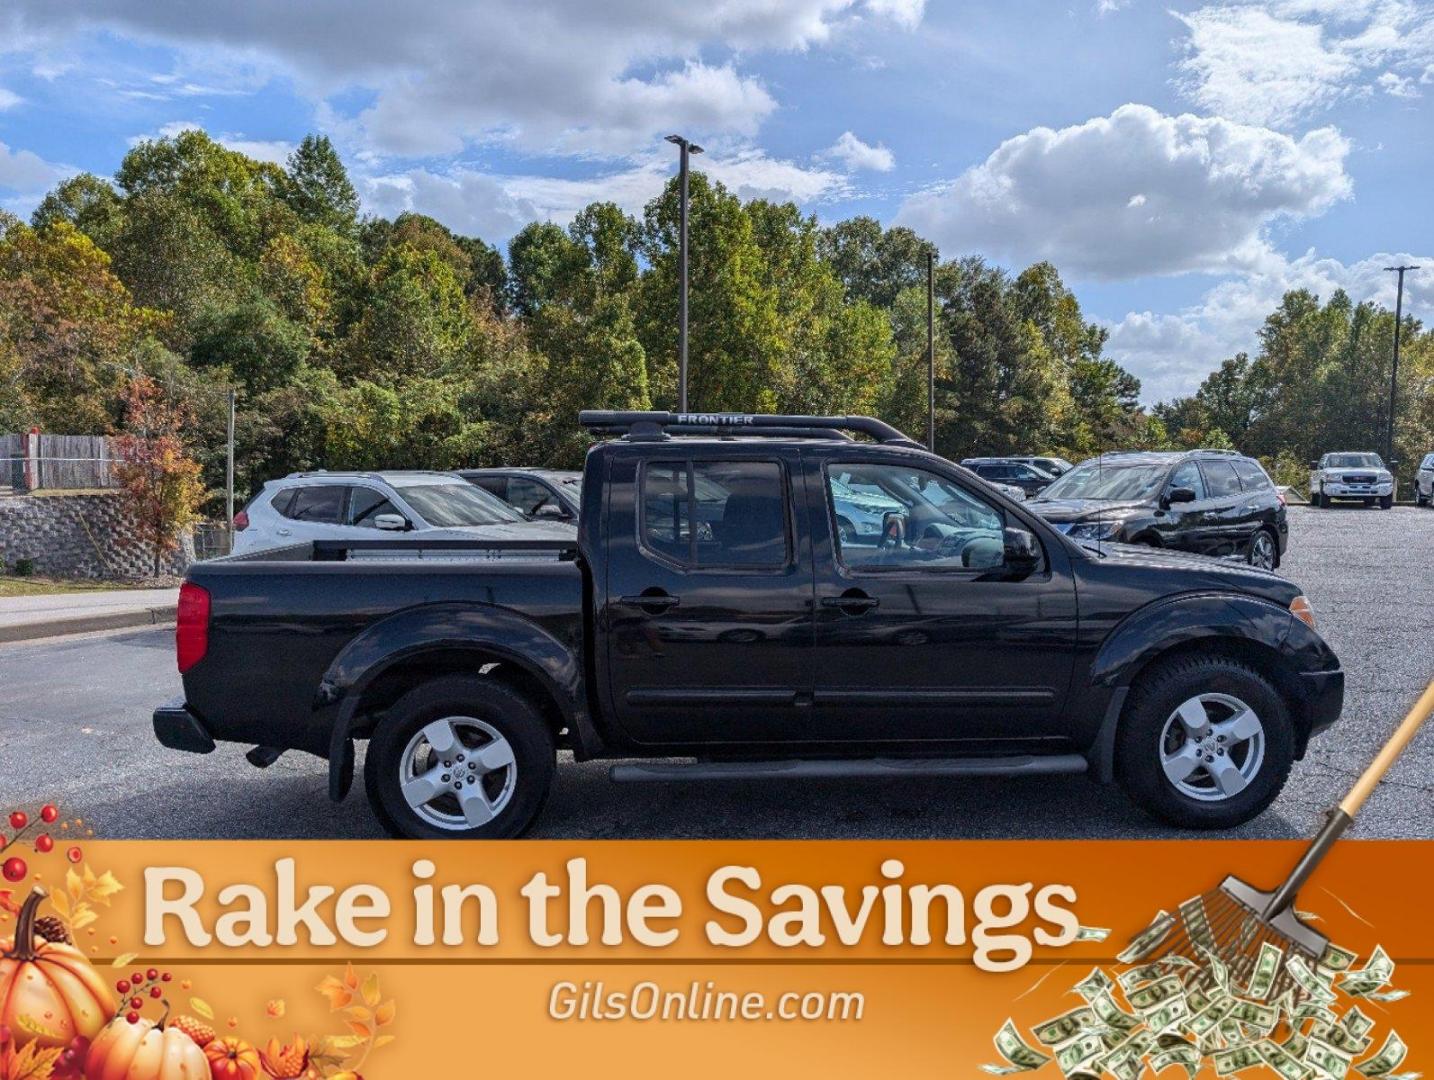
154,469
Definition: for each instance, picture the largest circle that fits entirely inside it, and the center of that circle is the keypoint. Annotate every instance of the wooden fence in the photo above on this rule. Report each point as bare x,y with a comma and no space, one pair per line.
56,462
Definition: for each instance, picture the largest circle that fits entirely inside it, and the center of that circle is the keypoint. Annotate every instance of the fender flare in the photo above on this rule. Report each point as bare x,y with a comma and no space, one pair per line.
406,634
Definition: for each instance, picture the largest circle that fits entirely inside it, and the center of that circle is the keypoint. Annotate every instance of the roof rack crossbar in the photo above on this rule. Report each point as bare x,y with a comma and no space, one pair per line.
653,425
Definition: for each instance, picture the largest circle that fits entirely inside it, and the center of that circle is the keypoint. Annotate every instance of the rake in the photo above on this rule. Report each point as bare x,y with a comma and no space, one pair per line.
1234,921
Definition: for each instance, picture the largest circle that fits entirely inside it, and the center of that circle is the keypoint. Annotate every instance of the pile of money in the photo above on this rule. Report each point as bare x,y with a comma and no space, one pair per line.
1193,1012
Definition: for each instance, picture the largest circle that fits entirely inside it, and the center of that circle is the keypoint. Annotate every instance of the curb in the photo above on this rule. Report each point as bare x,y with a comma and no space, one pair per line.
88,624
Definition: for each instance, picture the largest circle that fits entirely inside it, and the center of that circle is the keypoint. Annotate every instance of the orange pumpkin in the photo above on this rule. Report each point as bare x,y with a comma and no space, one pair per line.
49,993
232,1058
144,1051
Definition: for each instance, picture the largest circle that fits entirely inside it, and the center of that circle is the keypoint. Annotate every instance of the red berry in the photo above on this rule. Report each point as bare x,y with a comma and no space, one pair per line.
14,869
152,974
155,991
122,986
74,854
165,977
19,819
49,813
136,1003
44,844
137,978
132,1017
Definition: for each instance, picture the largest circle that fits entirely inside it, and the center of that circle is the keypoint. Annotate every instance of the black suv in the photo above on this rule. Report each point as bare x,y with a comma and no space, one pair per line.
1014,471
1213,502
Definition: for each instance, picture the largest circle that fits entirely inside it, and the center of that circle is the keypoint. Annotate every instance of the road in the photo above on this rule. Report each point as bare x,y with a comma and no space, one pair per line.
74,727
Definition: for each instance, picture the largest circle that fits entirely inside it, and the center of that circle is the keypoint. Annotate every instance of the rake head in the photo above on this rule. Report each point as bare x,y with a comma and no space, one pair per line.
1231,924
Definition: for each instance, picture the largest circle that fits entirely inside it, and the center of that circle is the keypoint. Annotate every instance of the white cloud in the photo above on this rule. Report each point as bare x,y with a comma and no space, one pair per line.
1400,86
571,75
1134,193
1109,7
26,172
495,206
855,154
1276,62
9,99
1172,353
272,150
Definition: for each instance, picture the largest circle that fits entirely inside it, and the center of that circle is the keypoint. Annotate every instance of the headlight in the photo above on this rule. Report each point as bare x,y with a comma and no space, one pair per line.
1301,610
1094,530
1385,477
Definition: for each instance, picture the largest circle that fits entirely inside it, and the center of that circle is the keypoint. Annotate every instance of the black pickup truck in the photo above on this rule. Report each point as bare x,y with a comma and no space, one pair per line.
756,596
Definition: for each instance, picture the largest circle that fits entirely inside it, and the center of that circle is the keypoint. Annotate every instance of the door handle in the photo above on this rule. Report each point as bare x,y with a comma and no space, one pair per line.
654,601
282,532
853,602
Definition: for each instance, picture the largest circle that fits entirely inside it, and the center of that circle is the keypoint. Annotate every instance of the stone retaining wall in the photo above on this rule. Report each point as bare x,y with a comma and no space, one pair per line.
79,535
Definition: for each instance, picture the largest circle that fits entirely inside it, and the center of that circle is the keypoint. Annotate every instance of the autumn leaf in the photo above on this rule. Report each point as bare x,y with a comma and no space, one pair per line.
33,1063
384,1014
371,993
351,979
202,1007
363,1031
123,960
276,1008
338,994
359,1013
383,1040
7,902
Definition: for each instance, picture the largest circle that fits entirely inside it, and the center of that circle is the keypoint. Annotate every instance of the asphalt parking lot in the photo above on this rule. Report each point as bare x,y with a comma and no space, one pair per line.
75,727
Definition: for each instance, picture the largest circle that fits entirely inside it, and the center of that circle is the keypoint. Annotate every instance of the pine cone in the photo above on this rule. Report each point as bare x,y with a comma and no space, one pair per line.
52,929
197,1030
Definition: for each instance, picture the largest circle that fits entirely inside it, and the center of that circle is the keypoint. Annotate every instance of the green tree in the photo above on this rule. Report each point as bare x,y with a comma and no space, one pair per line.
317,186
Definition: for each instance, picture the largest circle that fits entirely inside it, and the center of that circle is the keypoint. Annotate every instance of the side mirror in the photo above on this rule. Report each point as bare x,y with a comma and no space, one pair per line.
1021,552
391,522
1391,463
549,512
1180,495
893,528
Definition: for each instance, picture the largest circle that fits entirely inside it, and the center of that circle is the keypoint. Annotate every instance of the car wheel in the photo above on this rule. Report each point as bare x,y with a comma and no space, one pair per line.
1205,742
1263,551
1386,502
460,757
846,531
1319,500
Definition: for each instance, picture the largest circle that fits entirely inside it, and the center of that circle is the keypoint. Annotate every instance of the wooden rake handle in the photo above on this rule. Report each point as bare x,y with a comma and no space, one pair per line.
1365,785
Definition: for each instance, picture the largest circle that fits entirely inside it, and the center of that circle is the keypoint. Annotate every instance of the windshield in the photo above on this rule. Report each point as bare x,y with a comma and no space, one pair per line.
446,506
1106,481
1353,461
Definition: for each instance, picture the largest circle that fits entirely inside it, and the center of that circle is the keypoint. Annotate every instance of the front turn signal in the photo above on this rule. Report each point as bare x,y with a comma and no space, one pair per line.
1301,610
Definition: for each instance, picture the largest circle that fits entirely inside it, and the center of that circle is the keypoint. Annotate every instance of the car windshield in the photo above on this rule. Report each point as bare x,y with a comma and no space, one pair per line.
1353,461
1095,480
456,505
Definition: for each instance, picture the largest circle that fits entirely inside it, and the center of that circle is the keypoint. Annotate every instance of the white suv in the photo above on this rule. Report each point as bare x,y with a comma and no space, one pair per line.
1351,475
1424,482
372,505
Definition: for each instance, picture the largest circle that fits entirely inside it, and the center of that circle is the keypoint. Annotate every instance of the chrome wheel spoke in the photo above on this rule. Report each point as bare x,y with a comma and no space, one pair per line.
441,736
1227,775
496,755
424,788
1179,765
1194,718
477,810
1239,728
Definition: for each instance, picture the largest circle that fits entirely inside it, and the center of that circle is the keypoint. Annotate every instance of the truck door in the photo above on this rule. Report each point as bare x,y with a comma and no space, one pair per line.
708,598
920,636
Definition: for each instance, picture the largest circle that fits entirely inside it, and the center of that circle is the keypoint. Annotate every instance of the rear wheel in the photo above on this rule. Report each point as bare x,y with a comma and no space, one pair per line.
1205,742
460,757
1263,550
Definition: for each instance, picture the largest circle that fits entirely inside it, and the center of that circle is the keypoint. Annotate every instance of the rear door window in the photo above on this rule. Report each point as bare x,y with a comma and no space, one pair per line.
529,495
320,504
1251,475
1220,479
716,513
494,485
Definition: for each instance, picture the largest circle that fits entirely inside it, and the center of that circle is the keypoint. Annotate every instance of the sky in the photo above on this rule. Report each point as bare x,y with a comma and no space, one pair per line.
1181,164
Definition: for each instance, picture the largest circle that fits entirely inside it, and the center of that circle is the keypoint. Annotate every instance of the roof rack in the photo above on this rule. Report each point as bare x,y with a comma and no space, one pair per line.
639,426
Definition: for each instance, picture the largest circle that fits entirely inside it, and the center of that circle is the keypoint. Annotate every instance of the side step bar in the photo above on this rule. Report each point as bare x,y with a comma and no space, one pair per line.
630,772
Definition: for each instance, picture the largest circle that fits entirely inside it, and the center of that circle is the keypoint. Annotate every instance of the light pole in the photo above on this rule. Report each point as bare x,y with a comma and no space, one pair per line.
931,351
1394,368
686,150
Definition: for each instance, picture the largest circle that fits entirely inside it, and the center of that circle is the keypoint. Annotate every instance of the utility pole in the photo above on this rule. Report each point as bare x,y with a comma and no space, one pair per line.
686,150
1394,368
931,351
229,471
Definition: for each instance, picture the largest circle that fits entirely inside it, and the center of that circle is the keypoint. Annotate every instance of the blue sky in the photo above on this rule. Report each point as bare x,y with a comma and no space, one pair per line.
1182,164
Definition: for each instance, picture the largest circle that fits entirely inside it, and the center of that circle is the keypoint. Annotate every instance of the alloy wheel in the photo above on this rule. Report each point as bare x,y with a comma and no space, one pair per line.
1262,550
1212,747
457,773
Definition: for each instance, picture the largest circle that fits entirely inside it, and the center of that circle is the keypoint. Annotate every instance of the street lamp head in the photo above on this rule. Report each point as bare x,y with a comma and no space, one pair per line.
690,147
676,140
693,148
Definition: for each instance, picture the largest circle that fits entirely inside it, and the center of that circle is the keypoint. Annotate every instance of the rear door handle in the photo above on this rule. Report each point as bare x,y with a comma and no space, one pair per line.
282,532
853,602
654,603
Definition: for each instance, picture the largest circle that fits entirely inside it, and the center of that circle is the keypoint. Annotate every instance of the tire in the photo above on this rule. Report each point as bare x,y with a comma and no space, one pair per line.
486,715
846,531
1386,502
1263,550
1151,730
1319,500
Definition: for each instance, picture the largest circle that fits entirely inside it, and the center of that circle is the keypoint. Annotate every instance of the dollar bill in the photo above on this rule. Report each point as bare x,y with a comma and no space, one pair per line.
1219,973
1094,984
1267,966
1336,959
1387,995
1151,996
1168,1015
1208,1019
1391,1055
1144,973
1092,933
1197,923
1081,1051
1149,939
1257,1015
1197,998
1282,1061
1313,1010
1327,1059
1236,1058
1112,1015
1020,1056
1375,974
1067,1026
1185,1056
1340,1037
1355,1022
1296,1044
1308,981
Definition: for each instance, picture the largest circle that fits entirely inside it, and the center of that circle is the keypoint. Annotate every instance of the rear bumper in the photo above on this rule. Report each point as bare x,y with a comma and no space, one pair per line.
1322,694
179,729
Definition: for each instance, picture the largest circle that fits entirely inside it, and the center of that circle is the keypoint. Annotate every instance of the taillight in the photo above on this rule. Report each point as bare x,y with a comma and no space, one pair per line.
241,521
191,631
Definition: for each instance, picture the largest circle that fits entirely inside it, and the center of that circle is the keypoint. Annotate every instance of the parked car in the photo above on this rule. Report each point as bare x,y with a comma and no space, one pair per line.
1056,466
746,630
1028,478
1212,502
1346,475
545,494
1424,482
364,505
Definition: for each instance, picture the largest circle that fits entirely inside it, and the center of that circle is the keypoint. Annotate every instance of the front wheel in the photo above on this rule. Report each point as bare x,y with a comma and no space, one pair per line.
1263,551
1319,500
460,757
1205,742
1386,501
